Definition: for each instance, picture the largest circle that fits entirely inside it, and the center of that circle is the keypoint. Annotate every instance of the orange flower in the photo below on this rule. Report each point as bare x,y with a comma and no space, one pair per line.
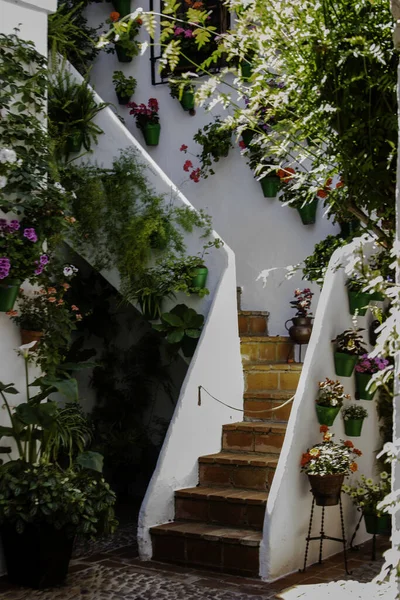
139,21
114,16
324,428
285,174
60,302
70,219
78,317
328,182
305,459
74,307
339,184
197,5
11,313
51,290
66,286
349,444
353,467
52,299
322,194
357,451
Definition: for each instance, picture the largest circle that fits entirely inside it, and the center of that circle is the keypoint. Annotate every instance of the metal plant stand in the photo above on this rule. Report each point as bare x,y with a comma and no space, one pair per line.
322,536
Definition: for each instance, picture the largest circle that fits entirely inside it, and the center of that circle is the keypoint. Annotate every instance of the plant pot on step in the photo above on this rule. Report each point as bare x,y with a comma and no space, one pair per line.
378,525
358,301
326,488
270,186
151,133
74,143
327,414
8,293
123,100
28,336
353,427
308,212
187,100
39,556
122,54
345,363
199,278
362,381
300,331
123,7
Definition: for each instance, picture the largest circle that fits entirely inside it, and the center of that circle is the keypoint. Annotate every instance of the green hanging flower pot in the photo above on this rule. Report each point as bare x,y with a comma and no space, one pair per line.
151,132
270,186
187,100
8,293
362,381
358,301
308,212
247,136
122,54
246,69
345,363
378,525
353,427
74,142
377,297
199,279
123,100
123,7
327,414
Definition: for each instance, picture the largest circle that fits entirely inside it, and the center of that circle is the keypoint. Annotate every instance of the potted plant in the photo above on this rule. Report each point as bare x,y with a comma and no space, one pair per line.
306,209
330,400
326,465
54,490
262,165
353,417
366,495
123,37
147,120
365,369
31,317
349,346
184,92
358,300
150,289
124,87
300,331
20,259
182,328
216,141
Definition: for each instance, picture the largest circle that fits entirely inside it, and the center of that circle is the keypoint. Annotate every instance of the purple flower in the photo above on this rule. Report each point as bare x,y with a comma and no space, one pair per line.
30,234
44,259
188,33
3,224
5,267
14,225
179,30
371,365
39,270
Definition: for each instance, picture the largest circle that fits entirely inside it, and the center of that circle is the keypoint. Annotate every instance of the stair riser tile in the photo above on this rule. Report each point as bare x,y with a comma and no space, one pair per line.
255,409
270,380
271,442
254,478
252,441
253,325
265,352
220,512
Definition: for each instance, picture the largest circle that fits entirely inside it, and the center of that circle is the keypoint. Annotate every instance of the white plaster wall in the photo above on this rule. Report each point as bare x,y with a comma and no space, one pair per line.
261,232
289,502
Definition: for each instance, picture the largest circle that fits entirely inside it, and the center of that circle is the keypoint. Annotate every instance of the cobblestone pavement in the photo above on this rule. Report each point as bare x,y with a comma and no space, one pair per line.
118,574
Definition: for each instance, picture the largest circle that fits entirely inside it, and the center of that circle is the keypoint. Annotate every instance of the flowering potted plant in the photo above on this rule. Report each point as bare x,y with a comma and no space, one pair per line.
330,400
124,87
123,37
31,316
147,120
184,92
326,465
216,141
349,346
353,417
307,210
365,368
366,495
300,331
20,259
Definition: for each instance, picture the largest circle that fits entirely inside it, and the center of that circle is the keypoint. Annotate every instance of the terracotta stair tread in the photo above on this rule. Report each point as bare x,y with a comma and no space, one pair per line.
264,338
236,495
209,531
272,366
259,427
240,458
269,394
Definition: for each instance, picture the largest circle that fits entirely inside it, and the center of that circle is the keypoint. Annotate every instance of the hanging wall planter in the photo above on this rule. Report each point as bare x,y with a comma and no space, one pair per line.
247,136
362,381
28,336
353,427
375,525
151,132
246,69
308,212
327,414
187,100
270,186
8,293
199,277
347,228
74,143
345,363
122,54
123,100
326,488
358,301
123,7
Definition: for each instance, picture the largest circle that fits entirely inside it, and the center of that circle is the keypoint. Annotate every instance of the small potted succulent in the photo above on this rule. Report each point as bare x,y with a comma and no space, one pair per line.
330,400
365,369
300,331
358,300
326,465
353,417
349,347
182,328
147,120
124,87
184,92
123,37
367,494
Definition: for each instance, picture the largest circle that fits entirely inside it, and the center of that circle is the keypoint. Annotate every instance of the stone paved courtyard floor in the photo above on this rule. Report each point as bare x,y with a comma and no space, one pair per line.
117,574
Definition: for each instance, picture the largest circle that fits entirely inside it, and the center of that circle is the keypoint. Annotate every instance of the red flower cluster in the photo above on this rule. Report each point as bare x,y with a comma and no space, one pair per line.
114,16
183,148
242,145
187,165
324,428
286,174
195,175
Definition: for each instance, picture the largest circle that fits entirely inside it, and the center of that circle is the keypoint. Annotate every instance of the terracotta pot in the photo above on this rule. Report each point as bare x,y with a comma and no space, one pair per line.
326,488
28,336
300,331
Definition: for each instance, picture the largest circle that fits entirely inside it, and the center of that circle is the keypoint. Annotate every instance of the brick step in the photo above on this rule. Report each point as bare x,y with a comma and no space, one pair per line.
206,546
240,470
262,437
226,506
253,322
259,409
272,376
266,348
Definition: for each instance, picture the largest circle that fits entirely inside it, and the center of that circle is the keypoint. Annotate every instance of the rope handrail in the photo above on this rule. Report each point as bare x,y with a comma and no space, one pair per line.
240,409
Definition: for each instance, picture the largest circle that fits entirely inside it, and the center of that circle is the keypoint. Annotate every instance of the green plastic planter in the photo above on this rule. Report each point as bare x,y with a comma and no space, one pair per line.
151,132
308,212
247,136
187,100
377,297
378,525
270,186
122,54
353,427
362,381
8,293
123,7
246,69
74,143
344,364
327,414
123,99
200,278
358,301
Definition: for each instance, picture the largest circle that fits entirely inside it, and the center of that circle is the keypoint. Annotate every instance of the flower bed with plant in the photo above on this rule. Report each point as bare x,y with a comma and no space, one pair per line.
330,458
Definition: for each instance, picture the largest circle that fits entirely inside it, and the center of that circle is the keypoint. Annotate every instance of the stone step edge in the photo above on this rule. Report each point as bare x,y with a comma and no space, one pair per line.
264,428
240,459
211,532
272,366
253,313
224,494
266,339
269,395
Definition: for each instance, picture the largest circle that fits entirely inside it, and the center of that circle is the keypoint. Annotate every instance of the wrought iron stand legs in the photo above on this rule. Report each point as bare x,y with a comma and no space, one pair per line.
322,536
